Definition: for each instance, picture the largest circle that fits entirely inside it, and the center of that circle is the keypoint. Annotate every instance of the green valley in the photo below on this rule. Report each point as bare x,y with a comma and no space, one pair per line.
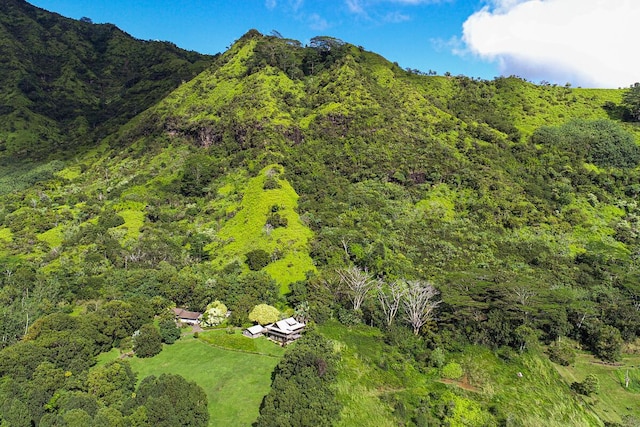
463,251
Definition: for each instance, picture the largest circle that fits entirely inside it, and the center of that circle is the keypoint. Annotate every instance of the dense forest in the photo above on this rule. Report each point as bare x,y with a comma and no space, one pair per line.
464,251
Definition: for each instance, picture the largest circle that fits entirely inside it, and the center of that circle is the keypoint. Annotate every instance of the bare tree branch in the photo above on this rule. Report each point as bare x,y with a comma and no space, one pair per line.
419,303
390,297
359,283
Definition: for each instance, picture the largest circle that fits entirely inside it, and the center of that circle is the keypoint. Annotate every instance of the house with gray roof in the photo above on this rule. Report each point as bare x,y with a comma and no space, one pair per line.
254,331
285,331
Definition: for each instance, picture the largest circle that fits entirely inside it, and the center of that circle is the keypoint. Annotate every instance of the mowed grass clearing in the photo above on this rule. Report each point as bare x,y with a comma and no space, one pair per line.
235,382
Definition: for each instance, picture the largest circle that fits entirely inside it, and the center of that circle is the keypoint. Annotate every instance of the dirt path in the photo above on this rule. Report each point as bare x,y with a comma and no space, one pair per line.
464,384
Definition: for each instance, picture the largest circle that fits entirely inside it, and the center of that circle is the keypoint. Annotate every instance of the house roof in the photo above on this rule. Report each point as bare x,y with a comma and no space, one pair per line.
255,329
287,326
185,314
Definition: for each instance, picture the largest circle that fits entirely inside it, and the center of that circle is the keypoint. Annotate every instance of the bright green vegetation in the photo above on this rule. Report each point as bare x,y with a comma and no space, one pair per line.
613,402
238,342
5,234
539,397
252,227
235,381
276,168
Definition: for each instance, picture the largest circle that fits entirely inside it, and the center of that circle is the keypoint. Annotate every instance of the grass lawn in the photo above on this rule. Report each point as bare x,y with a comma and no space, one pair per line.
235,382
613,401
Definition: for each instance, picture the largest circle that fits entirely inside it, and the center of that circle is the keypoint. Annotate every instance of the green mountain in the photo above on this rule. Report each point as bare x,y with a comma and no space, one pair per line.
273,172
66,83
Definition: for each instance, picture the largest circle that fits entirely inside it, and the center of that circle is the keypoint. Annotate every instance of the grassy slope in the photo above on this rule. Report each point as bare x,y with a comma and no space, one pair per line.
245,231
613,401
538,398
360,384
235,381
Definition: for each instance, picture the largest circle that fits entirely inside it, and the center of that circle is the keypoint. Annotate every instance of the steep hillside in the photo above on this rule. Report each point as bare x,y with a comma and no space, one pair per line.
66,83
279,166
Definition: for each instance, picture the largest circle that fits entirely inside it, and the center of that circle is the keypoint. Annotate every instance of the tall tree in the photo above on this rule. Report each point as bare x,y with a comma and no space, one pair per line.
631,100
302,391
170,400
390,295
147,341
419,303
359,282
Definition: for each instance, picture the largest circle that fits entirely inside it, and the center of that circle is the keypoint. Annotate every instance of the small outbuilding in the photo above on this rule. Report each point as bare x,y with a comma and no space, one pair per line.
188,317
254,331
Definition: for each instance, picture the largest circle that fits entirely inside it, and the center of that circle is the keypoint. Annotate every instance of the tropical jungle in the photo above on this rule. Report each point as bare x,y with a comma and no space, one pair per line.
463,252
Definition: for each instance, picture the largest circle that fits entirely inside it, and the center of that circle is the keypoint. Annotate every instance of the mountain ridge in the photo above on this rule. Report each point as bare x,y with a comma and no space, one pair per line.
77,78
279,165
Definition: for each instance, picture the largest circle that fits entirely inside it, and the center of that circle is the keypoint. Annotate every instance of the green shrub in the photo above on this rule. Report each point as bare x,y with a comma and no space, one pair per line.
271,183
562,352
109,219
452,371
264,313
169,331
147,341
277,220
590,385
257,259
602,142
437,357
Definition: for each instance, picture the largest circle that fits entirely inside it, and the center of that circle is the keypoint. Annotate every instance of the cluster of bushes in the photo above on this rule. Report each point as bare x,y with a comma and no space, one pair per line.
302,390
49,378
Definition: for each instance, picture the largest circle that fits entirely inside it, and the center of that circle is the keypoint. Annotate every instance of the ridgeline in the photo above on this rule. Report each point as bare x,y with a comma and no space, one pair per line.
138,176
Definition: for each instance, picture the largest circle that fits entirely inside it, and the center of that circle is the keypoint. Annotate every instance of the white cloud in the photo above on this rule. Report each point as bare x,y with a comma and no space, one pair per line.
364,7
396,17
295,4
584,42
355,6
270,4
317,23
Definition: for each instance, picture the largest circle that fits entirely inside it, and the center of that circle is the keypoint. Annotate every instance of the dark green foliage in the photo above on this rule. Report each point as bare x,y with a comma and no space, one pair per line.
605,342
170,401
276,220
257,259
109,219
198,172
169,331
112,383
294,60
302,389
562,352
631,101
271,183
602,142
588,387
120,319
147,341
15,413
84,81
77,401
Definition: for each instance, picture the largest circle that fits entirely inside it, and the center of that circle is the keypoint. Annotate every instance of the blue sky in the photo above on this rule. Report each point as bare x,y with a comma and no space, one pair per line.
583,42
